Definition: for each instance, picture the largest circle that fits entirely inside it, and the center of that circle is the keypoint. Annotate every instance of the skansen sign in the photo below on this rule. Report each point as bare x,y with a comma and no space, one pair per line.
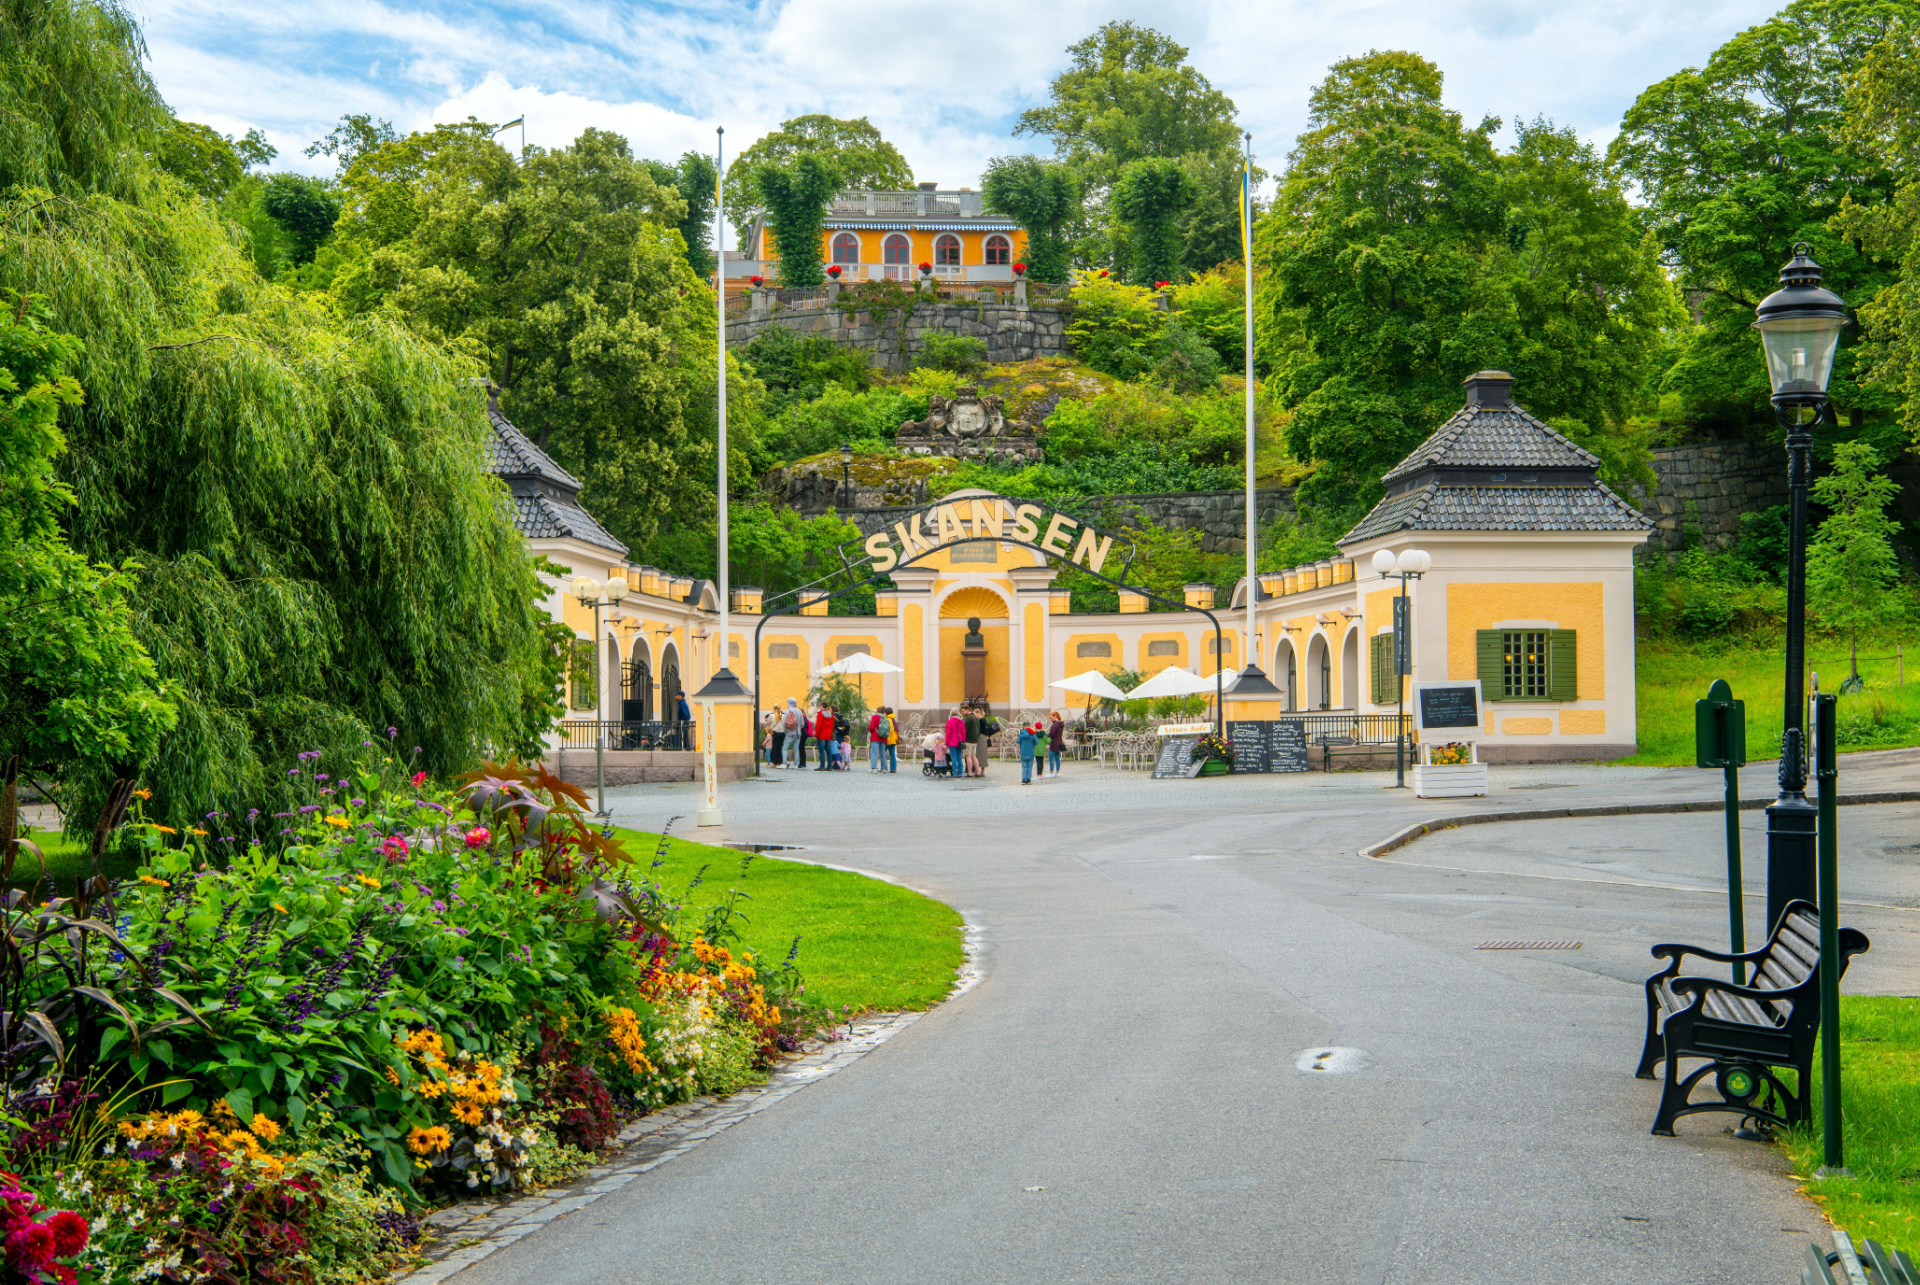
942,526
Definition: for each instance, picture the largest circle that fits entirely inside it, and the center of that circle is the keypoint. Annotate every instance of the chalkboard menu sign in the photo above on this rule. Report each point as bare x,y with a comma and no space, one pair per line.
1453,708
1268,745
1176,758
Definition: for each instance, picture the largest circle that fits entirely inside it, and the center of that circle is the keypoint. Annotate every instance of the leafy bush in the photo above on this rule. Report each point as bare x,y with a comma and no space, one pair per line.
869,420
1113,326
1184,362
961,354
805,367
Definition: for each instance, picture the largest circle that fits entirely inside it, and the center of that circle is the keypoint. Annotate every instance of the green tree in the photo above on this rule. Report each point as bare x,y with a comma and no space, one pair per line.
321,551
563,273
1150,196
1884,122
1129,94
77,107
208,161
357,134
1851,563
854,149
305,210
696,182
1044,198
1410,253
77,691
1740,159
795,196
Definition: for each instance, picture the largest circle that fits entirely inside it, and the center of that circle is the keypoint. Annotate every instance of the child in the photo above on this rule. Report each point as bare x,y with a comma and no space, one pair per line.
843,749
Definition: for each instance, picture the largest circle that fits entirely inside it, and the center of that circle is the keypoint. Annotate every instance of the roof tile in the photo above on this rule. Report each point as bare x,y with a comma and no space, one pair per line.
1500,508
1494,438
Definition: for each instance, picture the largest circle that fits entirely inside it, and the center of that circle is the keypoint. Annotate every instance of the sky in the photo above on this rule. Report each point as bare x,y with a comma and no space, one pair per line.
944,82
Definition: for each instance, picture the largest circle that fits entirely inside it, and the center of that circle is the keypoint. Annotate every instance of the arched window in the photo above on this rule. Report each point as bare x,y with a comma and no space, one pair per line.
946,251
846,248
999,250
897,253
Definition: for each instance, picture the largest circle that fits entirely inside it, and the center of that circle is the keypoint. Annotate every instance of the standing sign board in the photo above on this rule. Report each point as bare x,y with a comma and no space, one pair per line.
1268,745
1176,758
1446,713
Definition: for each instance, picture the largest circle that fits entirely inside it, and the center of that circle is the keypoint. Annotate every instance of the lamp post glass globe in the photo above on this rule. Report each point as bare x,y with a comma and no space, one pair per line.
616,588
586,589
1384,563
1414,561
1799,327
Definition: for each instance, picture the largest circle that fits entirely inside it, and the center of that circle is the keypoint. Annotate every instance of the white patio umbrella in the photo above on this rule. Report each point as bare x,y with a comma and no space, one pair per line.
1092,683
863,664
1172,681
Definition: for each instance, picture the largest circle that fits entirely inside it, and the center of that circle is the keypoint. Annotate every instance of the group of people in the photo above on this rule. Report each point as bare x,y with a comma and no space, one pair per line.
961,747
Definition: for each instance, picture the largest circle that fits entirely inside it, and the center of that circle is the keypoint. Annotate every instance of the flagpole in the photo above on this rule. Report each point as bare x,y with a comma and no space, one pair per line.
1246,253
711,814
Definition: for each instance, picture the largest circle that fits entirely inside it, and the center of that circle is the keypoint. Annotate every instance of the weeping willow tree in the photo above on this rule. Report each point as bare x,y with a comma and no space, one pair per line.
321,554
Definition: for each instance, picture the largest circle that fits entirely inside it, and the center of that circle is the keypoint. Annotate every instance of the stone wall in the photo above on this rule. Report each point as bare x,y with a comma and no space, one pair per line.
1012,333
1709,486
1220,516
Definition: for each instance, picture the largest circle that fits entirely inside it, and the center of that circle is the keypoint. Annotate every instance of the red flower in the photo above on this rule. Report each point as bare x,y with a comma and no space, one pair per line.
477,837
395,849
1019,269
834,271
69,1233
1103,272
926,267
1161,285
30,1248
419,779
756,280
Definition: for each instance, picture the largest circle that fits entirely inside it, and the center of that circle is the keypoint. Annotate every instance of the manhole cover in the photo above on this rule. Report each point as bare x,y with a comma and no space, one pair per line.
1528,945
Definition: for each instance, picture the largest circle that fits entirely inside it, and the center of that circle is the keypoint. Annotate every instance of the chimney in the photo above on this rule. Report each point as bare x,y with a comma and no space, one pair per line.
929,187
1489,390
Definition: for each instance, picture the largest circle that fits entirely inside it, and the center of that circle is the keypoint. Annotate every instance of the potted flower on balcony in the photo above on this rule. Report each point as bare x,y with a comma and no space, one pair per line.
756,281
833,270
1019,269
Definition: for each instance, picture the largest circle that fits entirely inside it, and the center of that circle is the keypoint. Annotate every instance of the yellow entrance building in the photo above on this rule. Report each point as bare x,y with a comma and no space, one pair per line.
873,236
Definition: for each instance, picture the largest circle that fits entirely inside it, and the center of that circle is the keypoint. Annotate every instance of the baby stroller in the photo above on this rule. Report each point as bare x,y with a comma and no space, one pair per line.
933,762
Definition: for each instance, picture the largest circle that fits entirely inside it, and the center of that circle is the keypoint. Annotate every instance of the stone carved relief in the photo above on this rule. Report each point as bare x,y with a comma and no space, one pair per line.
968,425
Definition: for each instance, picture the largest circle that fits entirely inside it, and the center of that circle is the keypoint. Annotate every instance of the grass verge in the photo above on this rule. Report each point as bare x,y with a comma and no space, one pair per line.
864,944
1672,676
1880,1082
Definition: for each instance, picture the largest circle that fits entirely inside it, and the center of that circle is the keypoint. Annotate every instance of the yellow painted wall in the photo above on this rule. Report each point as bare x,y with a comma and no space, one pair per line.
1035,628
871,685
953,671
1578,606
1526,726
1151,665
1583,722
973,244
1379,615
733,729
974,601
780,679
912,614
1254,710
1100,664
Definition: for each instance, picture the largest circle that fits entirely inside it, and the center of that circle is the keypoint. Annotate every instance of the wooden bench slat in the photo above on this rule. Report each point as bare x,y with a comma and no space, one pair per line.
1800,947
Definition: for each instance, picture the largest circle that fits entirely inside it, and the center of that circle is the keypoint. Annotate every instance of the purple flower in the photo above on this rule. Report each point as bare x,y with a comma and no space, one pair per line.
319,776
311,807
361,803
393,731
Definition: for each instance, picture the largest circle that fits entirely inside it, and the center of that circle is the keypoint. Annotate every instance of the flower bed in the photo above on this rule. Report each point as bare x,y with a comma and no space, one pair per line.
258,1058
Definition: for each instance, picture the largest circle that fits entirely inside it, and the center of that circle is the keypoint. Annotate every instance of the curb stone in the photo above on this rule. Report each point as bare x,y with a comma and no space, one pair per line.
465,1233
1402,837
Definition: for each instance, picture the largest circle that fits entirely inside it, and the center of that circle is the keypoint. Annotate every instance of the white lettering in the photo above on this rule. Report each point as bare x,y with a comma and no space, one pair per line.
910,540
1087,554
1059,531
881,552
1024,527
989,517
951,527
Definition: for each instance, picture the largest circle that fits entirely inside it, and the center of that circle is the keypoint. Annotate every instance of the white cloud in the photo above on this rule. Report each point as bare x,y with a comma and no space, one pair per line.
944,82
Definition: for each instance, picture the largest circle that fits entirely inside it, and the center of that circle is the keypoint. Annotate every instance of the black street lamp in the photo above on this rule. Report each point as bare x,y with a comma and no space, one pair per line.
1410,564
1799,327
846,474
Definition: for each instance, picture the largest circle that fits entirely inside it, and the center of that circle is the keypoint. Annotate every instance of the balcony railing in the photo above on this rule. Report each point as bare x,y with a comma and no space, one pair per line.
587,734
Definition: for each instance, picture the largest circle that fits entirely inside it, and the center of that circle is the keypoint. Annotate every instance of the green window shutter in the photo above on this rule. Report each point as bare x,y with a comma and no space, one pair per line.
1563,666
1381,663
1493,672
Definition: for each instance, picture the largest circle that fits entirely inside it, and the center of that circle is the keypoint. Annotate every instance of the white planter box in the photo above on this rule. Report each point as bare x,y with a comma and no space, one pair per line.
1456,781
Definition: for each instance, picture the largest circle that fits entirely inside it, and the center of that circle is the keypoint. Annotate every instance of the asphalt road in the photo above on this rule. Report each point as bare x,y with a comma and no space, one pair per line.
1129,1095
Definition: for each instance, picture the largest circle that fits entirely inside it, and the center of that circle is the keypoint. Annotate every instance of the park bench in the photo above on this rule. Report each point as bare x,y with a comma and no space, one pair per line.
1743,1032
1872,1264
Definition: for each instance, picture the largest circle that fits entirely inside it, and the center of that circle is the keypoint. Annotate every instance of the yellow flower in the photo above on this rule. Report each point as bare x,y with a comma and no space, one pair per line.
371,883
468,1112
143,795
158,883
196,830
277,906
424,1142
340,821
164,829
265,1128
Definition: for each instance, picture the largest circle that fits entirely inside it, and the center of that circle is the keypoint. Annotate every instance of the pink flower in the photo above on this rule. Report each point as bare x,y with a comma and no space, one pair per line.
69,1233
477,837
395,849
419,779
30,1248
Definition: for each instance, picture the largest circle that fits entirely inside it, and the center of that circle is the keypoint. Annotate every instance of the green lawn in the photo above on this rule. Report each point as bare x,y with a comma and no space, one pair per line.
66,863
1880,1082
863,943
1672,676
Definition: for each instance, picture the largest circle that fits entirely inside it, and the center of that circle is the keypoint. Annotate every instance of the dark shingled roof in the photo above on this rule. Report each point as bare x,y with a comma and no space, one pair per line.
513,454
1490,437
1501,508
541,517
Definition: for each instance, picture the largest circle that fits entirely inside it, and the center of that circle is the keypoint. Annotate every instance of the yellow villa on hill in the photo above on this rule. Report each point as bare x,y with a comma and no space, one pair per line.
874,236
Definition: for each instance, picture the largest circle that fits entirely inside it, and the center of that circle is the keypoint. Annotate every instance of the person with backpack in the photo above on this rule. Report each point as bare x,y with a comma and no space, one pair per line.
893,740
790,734
1029,737
823,738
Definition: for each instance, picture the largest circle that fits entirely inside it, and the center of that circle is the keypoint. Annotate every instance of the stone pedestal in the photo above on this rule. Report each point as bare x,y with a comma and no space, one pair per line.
973,660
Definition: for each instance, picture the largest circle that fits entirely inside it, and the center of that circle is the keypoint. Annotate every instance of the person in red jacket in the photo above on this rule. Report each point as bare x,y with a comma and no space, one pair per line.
956,737
823,737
